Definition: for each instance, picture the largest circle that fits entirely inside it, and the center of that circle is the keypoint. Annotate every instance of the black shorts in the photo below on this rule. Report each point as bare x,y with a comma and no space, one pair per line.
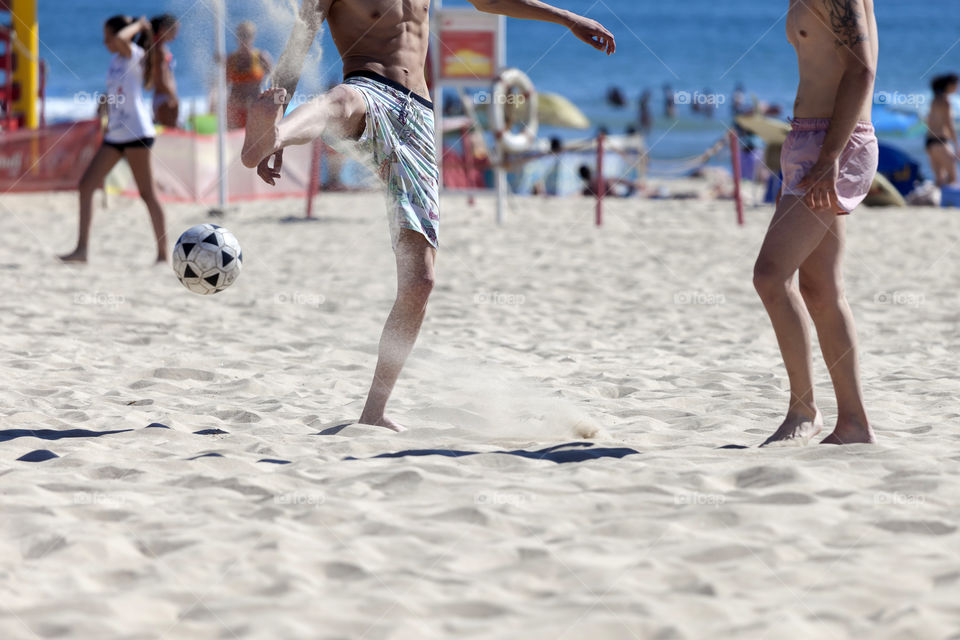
142,143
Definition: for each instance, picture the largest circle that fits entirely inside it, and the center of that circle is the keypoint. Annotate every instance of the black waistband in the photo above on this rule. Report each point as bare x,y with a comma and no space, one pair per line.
364,73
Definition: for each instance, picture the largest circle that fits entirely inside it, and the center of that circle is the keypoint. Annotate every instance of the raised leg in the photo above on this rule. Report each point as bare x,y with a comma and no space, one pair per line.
793,235
821,285
142,169
415,277
105,160
339,113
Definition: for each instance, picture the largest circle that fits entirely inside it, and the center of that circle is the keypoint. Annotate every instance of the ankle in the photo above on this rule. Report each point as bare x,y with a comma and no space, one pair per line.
806,408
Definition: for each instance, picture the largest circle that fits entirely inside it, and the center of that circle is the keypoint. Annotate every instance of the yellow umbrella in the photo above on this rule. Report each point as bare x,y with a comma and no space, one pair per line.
553,110
556,111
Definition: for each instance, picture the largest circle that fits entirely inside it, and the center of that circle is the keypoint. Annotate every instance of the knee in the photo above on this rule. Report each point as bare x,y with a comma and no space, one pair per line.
149,198
820,296
417,289
769,280
87,186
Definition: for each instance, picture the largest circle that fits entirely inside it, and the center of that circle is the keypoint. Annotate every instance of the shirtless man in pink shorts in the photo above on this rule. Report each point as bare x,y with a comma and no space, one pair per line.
829,162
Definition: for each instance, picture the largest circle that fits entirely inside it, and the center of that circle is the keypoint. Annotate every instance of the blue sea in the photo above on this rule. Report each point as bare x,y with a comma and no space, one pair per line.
692,45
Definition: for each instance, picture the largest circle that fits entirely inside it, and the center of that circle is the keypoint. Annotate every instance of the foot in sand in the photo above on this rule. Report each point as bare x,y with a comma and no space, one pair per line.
263,135
851,433
77,256
384,422
797,429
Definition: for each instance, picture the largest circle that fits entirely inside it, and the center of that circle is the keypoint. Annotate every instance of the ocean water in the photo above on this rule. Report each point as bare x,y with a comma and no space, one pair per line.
692,45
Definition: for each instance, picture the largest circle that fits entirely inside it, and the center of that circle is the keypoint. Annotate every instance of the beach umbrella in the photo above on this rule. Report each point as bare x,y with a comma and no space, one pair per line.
556,111
553,110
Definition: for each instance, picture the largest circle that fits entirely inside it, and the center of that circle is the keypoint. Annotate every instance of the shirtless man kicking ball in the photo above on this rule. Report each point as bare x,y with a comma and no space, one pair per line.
829,162
382,104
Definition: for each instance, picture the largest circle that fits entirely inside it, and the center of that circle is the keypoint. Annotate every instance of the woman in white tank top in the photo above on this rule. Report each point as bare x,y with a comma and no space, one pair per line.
130,132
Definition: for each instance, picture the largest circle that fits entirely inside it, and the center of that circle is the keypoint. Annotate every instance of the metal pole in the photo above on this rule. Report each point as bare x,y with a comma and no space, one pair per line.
737,196
601,183
221,43
501,173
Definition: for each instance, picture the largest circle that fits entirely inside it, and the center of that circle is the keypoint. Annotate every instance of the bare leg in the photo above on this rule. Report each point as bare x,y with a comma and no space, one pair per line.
943,165
793,235
142,170
415,276
339,112
105,160
821,284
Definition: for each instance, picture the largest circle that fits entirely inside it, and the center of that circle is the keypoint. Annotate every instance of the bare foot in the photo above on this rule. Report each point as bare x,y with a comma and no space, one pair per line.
797,430
384,422
77,256
851,433
263,136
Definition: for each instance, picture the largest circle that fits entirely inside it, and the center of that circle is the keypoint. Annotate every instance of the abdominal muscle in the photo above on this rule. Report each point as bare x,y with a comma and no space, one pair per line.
394,46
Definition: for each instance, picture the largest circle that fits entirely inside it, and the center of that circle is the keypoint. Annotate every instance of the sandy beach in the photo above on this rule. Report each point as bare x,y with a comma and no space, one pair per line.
202,488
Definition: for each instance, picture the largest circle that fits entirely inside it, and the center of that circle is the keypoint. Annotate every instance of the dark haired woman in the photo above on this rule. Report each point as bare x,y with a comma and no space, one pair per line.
130,131
941,133
166,103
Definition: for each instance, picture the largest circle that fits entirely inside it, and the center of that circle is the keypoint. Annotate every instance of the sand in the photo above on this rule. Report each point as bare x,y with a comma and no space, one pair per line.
234,516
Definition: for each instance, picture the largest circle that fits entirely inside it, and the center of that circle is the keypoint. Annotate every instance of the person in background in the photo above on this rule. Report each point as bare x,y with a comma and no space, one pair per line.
739,104
669,103
247,68
130,131
615,187
709,106
616,98
646,115
942,144
166,104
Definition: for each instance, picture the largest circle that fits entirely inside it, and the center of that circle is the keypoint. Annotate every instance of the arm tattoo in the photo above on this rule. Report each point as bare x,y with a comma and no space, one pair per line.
845,22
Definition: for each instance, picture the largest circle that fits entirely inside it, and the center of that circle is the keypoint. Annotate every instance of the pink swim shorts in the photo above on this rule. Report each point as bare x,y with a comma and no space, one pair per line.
858,161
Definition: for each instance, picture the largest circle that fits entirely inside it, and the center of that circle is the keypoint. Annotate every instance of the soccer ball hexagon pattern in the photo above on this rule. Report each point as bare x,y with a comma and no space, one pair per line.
207,259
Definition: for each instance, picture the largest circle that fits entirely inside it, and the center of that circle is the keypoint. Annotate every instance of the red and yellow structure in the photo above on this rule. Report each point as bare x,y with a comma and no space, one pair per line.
19,64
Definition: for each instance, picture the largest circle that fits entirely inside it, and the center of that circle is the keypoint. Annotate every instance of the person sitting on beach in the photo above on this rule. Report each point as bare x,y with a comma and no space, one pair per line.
383,106
615,187
130,131
247,68
828,162
942,146
166,103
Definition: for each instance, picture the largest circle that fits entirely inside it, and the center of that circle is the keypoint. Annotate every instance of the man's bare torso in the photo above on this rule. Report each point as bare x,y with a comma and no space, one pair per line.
389,37
813,32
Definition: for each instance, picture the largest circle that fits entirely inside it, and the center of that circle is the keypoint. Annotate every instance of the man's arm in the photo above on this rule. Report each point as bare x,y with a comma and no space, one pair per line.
847,21
290,64
589,31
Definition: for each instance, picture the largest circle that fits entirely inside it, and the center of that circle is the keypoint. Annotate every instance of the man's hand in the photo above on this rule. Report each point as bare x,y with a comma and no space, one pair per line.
269,174
593,33
820,185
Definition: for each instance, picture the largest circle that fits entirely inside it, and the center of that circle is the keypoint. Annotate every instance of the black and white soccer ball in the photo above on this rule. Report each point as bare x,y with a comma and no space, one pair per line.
207,259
